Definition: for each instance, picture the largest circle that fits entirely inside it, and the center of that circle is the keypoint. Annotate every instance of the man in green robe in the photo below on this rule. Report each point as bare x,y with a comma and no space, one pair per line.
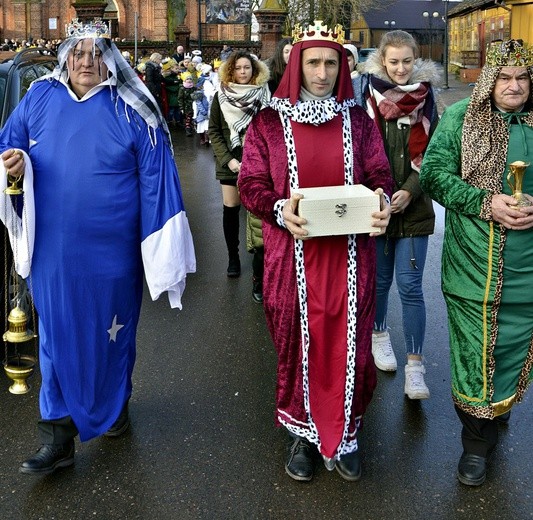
488,246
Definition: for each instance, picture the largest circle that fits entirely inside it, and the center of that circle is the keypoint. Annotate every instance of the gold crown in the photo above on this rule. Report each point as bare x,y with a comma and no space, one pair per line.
96,29
510,53
318,31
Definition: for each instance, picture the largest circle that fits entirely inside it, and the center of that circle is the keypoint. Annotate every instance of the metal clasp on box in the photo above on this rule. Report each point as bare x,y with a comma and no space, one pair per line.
341,209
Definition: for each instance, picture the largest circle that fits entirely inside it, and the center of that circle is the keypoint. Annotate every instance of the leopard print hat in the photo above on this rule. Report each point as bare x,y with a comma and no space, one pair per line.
485,136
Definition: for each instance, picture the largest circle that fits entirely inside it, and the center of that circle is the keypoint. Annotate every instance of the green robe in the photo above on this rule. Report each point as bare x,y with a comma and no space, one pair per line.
486,275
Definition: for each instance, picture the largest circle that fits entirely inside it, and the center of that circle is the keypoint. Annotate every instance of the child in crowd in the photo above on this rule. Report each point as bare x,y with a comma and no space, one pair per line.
173,85
186,103
201,111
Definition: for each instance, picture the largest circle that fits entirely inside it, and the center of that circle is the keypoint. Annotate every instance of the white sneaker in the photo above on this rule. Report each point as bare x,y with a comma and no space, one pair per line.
384,357
415,387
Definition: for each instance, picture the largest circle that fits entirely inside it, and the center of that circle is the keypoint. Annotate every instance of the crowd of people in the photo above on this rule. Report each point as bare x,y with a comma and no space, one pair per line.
17,45
325,298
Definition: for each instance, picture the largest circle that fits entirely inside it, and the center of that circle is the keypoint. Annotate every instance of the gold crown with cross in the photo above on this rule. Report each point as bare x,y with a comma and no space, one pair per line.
318,31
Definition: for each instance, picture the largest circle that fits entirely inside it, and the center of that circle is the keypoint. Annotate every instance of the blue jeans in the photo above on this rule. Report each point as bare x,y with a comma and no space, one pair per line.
406,258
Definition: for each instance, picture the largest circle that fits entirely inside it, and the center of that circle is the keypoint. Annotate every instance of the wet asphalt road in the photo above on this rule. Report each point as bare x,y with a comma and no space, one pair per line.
202,443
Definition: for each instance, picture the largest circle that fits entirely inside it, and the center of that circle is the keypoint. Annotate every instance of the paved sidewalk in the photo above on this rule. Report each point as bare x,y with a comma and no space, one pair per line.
456,91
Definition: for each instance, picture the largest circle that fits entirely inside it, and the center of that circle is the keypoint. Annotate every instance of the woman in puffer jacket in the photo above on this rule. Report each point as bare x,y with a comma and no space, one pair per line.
396,91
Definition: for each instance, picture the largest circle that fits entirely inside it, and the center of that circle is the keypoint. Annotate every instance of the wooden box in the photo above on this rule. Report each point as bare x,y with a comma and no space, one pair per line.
338,210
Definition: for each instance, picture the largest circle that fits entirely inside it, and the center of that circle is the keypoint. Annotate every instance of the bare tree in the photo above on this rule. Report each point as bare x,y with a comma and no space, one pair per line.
332,12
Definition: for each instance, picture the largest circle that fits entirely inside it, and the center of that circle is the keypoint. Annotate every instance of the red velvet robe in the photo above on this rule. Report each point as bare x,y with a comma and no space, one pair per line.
332,381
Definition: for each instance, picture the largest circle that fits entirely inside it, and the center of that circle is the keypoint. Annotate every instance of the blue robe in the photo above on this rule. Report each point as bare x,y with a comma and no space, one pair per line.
102,187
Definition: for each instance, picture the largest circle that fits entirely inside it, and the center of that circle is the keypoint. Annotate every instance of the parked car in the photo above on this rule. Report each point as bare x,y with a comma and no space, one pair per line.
17,71
363,53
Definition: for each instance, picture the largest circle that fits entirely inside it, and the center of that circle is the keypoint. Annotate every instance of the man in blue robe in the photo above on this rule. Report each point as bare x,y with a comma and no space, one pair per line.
107,202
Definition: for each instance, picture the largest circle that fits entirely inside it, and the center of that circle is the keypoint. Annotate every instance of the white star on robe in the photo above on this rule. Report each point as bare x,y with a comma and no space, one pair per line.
115,327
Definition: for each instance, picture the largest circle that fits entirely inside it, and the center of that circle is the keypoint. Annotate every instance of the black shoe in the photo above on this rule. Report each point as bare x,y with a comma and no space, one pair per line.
48,458
300,465
120,425
257,290
472,469
234,267
503,418
349,466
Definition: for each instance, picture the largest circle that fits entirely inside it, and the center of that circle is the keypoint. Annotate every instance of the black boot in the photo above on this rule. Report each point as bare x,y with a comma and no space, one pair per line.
300,464
48,458
257,290
230,222
472,469
349,466
234,267
257,279
121,424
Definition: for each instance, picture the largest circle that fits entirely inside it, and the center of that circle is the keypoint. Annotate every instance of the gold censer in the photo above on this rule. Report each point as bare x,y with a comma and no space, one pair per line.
18,365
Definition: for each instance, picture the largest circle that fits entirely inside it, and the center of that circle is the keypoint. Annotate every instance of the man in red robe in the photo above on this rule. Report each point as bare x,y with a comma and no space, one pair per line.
319,293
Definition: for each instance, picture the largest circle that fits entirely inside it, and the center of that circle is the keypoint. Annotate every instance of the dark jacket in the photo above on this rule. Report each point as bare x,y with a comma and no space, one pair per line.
418,219
153,79
219,131
185,100
172,85
219,134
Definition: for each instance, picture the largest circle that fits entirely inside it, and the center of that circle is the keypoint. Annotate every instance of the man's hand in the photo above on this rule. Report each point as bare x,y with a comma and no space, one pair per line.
293,222
13,163
505,211
382,217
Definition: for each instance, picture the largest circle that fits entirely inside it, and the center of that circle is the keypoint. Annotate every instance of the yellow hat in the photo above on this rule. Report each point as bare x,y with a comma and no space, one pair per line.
168,63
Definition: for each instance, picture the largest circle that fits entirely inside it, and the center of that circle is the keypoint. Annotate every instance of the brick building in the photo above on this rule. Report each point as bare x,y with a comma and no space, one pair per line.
162,23
38,18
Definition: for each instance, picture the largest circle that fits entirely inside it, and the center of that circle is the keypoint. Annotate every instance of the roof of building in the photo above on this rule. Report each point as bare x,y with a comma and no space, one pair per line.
407,15
471,5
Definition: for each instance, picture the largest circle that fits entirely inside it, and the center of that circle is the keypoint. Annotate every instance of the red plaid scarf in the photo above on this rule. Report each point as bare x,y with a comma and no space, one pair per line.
412,102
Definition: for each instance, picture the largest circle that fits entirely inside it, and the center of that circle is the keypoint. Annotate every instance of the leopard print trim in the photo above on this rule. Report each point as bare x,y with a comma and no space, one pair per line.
491,368
481,412
524,379
348,444
486,208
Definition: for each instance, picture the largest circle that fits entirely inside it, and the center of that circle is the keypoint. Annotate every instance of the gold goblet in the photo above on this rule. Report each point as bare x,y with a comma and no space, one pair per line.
515,177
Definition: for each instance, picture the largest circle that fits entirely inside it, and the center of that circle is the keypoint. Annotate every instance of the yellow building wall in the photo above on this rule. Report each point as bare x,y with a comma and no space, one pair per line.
522,23
360,33
472,32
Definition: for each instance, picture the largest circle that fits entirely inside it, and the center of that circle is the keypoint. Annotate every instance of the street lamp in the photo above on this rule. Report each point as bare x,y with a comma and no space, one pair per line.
445,44
430,17
391,23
